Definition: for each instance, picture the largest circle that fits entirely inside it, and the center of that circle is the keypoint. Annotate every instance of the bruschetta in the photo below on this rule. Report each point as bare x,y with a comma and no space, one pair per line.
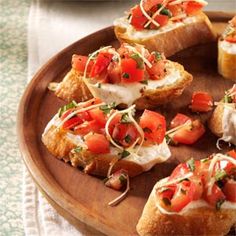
129,75
223,120
96,137
167,26
198,198
227,52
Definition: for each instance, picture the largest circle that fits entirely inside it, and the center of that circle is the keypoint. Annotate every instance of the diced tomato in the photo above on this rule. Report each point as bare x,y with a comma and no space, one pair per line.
167,193
178,120
66,113
215,196
157,71
113,123
192,7
232,153
231,38
188,134
117,180
230,168
101,63
98,115
196,188
130,71
229,190
114,73
138,20
153,125
161,20
72,122
125,134
97,143
148,4
87,127
79,63
201,102
174,9
179,171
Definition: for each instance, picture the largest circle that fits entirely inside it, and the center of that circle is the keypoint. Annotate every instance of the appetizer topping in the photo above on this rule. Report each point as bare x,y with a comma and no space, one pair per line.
126,65
153,14
185,130
230,95
117,180
211,180
230,32
201,102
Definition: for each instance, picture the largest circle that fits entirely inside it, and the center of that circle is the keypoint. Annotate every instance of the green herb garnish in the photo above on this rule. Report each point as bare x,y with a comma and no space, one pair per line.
204,160
99,85
138,60
191,164
144,82
107,108
125,118
77,149
219,204
157,55
66,107
127,138
122,179
220,174
227,99
124,154
126,76
166,12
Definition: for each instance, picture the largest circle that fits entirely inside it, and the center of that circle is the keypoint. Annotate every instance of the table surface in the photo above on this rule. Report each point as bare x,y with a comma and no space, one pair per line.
13,79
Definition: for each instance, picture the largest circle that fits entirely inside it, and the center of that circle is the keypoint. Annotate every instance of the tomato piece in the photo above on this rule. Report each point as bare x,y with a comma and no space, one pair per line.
101,63
114,73
188,134
215,196
66,113
192,7
178,120
113,123
229,190
231,38
138,20
125,134
117,180
87,127
157,71
179,171
97,143
72,122
153,125
98,115
174,9
148,4
232,153
130,71
161,20
201,102
79,63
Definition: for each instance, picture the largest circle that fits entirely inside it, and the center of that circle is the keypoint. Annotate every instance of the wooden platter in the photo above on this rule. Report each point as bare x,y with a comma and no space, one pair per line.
82,198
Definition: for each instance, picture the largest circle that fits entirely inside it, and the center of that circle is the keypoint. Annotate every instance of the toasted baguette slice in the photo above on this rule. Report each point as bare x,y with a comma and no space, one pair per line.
143,96
171,38
197,221
227,59
72,88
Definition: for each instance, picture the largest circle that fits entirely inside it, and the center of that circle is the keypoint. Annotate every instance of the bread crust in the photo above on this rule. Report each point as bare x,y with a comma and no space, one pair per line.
198,221
60,146
72,88
154,97
226,63
216,120
175,40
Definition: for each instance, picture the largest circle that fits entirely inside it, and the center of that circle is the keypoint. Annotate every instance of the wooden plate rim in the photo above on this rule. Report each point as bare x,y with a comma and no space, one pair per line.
43,179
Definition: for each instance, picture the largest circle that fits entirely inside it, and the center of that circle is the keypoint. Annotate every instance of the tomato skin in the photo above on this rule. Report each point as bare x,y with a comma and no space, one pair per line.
174,9
72,122
180,170
161,20
79,63
201,102
188,134
101,63
121,131
98,115
87,127
114,73
229,190
154,126
231,38
138,20
157,71
114,181
97,143
192,8
215,196
178,120
148,4
130,68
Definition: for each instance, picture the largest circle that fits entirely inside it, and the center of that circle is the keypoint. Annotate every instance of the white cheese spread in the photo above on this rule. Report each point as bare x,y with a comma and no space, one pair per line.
228,47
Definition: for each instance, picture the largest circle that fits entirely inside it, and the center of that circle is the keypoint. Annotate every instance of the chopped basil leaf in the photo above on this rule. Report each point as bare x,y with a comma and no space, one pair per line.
147,130
138,60
107,108
220,174
227,99
144,82
183,191
78,149
126,76
157,55
204,160
125,118
127,138
219,203
168,139
191,164
99,85
66,107
166,201
124,154
122,179
166,12
115,58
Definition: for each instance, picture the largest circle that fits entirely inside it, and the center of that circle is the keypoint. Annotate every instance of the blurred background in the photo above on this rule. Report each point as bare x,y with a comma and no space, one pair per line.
31,32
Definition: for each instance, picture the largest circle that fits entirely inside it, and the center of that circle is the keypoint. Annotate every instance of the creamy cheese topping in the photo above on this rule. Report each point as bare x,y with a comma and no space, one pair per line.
228,47
229,124
125,93
133,33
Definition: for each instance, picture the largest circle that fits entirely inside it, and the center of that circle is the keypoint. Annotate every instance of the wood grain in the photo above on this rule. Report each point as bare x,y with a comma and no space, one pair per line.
82,198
